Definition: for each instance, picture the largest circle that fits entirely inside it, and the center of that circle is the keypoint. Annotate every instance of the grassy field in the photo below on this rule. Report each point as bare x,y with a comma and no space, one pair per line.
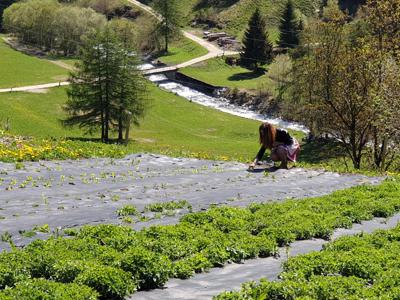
173,125
182,50
28,113
18,69
66,60
217,72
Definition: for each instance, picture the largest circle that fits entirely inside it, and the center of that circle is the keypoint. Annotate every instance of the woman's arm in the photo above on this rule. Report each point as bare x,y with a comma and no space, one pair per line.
258,157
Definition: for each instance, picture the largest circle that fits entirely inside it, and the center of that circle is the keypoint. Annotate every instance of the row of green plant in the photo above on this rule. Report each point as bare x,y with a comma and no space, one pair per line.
116,260
170,205
152,211
42,289
361,267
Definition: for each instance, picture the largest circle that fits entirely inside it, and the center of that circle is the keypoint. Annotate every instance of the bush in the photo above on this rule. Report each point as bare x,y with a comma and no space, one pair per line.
13,268
150,269
41,289
50,25
127,210
111,283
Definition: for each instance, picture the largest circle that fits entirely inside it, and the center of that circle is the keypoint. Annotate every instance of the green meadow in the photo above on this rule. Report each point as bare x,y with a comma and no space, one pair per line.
19,69
182,50
217,72
172,124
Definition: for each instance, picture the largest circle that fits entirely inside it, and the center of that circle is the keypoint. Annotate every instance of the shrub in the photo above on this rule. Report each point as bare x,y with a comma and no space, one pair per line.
41,289
127,210
150,269
13,268
111,283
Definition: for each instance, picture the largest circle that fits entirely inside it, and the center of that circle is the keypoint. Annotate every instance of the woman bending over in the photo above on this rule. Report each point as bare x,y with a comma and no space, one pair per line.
283,147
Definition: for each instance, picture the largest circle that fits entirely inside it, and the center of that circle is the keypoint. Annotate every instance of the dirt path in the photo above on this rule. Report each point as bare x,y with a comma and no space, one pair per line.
34,87
73,193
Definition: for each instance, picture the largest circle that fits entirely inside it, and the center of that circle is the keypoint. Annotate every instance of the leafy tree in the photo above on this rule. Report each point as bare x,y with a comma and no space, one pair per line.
257,47
106,7
48,24
107,90
383,18
171,19
348,83
340,102
71,25
289,28
126,32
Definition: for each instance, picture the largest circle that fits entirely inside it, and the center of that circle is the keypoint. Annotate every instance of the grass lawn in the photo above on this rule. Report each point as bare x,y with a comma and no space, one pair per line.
182,50
71,61
18,69
217,72
35,114
172,125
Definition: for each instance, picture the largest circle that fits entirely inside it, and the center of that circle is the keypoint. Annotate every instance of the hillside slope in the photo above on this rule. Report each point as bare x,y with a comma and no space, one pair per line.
233,15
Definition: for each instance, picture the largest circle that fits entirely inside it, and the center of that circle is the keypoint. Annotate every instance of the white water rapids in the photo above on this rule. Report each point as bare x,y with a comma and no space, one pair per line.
218,103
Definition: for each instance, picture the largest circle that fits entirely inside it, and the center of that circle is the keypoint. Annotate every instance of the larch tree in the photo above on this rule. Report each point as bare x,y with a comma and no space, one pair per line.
107,90
257,49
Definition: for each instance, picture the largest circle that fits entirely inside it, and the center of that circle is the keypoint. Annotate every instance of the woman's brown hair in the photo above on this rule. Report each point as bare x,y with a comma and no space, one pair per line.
267,135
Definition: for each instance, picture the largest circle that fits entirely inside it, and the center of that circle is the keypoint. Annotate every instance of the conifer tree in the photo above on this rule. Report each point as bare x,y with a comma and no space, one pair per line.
289,28
257,47
105,88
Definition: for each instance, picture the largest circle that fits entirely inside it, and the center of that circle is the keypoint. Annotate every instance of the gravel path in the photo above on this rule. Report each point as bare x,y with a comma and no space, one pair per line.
74,193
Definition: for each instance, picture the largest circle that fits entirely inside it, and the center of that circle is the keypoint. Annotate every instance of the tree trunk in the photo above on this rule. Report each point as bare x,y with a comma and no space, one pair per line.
120,127
166,35
166,26
128,126
107,125
355,156
102,127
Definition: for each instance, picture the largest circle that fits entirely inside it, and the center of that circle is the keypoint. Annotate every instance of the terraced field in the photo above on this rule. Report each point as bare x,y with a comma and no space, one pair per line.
74,193
189,216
